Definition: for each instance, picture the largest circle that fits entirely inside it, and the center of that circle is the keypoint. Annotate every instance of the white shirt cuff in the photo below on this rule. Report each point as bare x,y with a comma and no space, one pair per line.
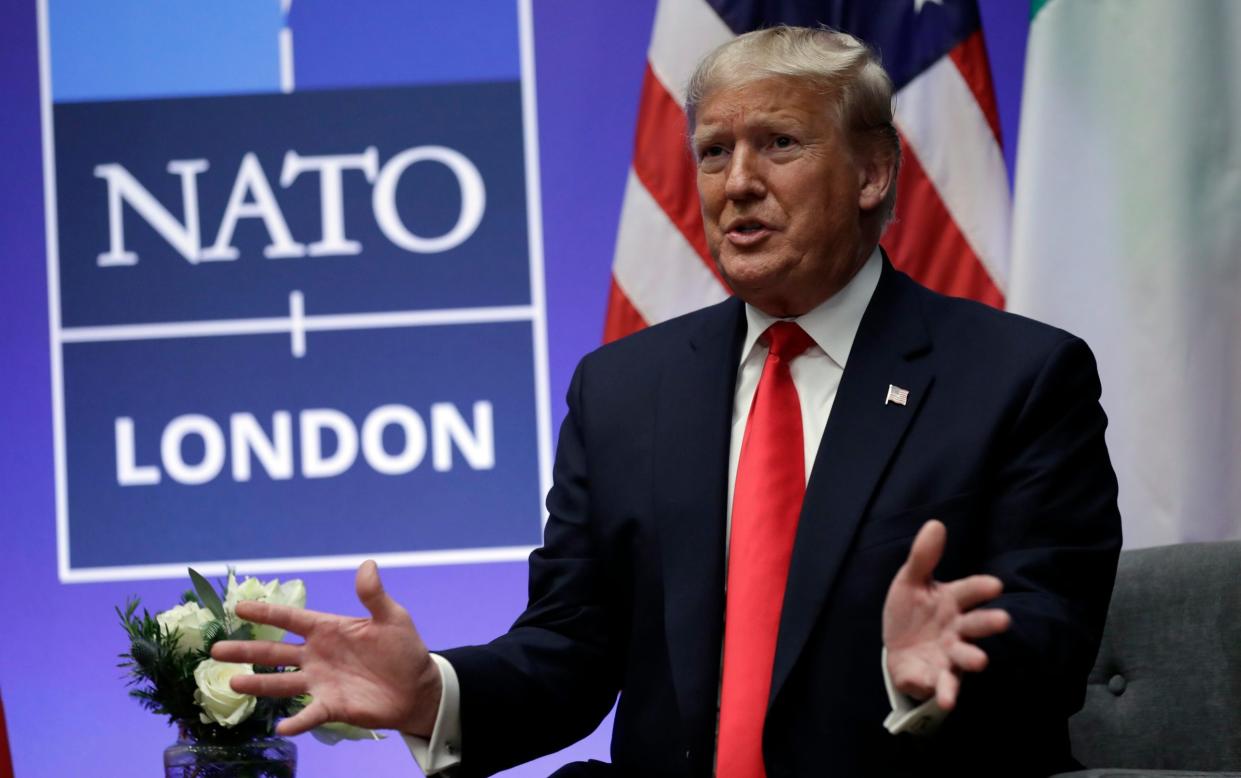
443,749
909,715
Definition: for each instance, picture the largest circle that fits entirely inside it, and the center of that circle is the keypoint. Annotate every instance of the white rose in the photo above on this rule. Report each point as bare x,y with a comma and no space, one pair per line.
219,702
292,593
189,619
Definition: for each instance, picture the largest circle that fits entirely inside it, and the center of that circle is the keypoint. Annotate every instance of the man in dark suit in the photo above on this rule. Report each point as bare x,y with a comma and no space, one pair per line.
740,522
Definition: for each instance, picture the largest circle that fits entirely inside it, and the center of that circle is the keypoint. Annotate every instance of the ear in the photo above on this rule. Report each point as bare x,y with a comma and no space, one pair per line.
876,176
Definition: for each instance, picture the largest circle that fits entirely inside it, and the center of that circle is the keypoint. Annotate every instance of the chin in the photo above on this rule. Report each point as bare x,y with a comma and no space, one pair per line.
765,297
756,274
752,270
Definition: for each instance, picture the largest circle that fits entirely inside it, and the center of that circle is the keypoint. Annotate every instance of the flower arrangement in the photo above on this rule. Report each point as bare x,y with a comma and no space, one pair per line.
172,673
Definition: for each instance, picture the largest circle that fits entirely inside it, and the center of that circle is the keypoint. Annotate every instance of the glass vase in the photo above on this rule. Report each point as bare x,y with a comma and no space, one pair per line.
273,757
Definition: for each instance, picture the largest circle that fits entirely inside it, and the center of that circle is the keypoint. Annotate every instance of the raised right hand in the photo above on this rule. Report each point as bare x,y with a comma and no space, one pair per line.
374,672
929,627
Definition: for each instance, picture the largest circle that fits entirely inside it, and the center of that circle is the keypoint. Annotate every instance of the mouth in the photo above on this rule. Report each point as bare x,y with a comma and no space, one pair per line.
746,232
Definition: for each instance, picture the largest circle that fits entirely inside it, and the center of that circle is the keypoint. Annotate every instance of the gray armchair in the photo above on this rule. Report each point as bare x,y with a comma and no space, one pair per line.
1164,697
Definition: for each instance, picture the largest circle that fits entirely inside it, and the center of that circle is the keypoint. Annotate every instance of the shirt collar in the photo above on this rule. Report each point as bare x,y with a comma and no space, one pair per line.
832,324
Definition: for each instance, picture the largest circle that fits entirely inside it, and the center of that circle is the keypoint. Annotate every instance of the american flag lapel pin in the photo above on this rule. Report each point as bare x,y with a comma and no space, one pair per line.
896,395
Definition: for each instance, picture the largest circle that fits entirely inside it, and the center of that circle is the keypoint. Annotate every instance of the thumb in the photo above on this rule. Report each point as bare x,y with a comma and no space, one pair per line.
925,553
371,592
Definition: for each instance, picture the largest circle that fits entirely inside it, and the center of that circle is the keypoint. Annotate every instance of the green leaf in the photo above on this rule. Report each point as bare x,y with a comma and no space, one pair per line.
244,632
210,600
212,632
145,653
333,732
188,596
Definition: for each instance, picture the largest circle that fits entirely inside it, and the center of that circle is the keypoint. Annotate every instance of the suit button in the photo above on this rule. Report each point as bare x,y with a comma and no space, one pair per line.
1116,684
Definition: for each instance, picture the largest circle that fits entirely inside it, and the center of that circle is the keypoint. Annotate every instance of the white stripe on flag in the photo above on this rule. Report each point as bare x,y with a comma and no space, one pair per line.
658,270
685,32
941,120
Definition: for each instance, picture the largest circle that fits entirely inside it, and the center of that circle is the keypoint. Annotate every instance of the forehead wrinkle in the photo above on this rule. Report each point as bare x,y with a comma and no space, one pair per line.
753,106
742,119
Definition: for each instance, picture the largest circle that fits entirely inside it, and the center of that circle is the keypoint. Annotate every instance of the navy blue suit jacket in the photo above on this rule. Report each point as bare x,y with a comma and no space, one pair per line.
1001,439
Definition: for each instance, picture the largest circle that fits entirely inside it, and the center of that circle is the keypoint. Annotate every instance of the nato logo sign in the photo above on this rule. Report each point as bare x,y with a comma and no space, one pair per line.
295,284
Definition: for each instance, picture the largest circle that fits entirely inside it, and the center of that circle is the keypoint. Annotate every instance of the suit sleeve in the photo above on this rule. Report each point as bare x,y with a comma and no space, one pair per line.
552,678
1053,537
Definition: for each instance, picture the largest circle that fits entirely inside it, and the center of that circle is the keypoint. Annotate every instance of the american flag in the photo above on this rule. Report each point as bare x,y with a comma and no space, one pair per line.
896,395
952,214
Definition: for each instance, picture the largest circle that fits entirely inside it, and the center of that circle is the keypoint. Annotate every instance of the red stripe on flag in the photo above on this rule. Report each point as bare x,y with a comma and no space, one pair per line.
622,318
970,57
663,164
926,243
6,757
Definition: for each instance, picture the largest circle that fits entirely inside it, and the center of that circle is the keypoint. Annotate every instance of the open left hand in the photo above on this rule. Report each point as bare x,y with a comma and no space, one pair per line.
374,672
928,625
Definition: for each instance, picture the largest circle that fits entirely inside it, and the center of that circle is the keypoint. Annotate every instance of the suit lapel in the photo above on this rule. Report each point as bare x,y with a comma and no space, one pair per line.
862,434
692,428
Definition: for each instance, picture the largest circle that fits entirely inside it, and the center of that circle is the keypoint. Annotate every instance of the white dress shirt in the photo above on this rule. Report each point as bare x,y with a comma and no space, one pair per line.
816,373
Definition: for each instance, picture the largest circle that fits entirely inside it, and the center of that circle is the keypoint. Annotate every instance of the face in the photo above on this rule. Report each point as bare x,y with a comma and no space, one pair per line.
785,200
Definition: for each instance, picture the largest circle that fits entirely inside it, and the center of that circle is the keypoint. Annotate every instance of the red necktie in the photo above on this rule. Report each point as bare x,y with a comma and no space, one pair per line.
767,498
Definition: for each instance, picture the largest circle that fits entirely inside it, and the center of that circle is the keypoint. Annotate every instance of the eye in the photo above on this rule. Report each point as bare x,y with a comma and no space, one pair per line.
783,142
712,158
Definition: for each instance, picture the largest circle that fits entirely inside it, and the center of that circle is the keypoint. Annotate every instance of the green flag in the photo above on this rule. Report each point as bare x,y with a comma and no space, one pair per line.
1127,232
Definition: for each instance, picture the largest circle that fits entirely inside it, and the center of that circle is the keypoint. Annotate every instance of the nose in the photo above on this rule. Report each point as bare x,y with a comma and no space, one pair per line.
744,179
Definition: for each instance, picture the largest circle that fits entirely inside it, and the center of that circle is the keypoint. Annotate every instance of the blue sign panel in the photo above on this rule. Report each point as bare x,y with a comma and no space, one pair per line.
297,322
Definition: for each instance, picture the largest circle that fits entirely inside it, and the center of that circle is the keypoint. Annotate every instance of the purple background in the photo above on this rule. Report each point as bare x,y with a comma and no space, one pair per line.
67,711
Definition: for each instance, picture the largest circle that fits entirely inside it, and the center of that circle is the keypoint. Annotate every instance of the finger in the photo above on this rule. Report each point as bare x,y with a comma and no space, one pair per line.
270,684
983,623
914,680
295,620
924,555
967,657
257,652
306,719
974,591
946,690
918,691
371,592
